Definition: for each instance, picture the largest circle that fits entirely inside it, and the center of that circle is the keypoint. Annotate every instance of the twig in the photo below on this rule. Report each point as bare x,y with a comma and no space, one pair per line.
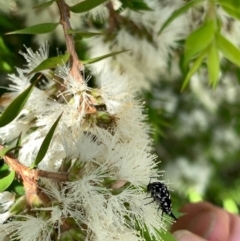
76,65
117,21
61,177
30,179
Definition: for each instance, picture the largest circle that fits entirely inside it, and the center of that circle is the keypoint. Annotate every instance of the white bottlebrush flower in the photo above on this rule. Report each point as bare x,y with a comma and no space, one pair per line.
146,59
18,82
30,148
74,109
6,201
115,90
11,131
71,85
68,205
111,161
117,93
110,233
121,159
28,229
80,145
4,217
35,58
101,212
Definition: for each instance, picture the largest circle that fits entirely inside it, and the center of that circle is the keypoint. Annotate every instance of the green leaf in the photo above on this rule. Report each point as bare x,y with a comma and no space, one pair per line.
5,67
232,12
3,48
91,61
166,236
213,65
230,3
4,168
18,144
83,34
230,205
197,41
135,5
229,50
86,5
6,22
232,7
144,232
37,29
193,69
19,140
51,63
16,106
160,234
4,151
6,181
179,12
235,3
45,144
44,5
18,188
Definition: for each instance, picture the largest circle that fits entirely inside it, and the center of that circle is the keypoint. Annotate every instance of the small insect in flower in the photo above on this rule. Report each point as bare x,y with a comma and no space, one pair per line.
161,195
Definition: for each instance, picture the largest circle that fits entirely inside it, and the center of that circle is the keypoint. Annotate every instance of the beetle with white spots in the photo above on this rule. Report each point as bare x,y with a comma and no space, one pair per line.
161,195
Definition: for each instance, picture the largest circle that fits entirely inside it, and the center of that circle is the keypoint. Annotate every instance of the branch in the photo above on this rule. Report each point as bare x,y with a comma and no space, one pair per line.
117,21
76,65
30,178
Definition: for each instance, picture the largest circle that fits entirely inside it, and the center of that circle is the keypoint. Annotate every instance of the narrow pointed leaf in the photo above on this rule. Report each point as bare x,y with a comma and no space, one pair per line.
19,140
235,13
16,106
44,5
45,144
7,181
4,151
197,41
231,7
135,5
4,50
197,63
51,63
37,29
145,233
91,61
234,4
229,50
18,145
86,6
166,236
213,65
179,12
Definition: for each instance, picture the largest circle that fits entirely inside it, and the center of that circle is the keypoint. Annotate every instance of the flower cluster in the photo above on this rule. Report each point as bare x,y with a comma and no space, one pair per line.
101,142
